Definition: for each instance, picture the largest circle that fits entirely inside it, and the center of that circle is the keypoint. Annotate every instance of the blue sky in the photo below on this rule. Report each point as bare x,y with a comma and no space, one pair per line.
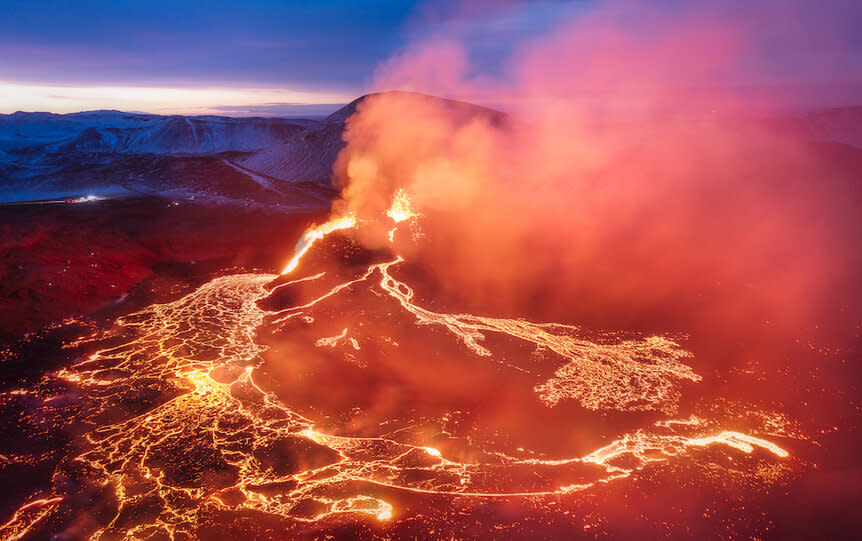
276,57
321,43
280,57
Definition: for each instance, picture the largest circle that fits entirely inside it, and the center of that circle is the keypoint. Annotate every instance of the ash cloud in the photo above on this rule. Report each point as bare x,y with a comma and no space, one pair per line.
636,173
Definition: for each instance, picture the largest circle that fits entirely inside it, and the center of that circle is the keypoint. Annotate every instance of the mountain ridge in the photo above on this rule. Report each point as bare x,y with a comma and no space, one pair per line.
110,151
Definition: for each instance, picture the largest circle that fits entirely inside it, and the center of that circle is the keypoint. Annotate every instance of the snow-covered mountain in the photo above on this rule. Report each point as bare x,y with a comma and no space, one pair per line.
308,156
93,132
44,155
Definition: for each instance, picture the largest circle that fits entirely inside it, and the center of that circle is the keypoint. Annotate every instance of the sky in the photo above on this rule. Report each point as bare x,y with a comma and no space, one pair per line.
257,57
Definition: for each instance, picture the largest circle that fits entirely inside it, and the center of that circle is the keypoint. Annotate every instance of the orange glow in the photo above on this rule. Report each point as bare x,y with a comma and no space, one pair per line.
401,208
315,233
221,401
27,516
574,325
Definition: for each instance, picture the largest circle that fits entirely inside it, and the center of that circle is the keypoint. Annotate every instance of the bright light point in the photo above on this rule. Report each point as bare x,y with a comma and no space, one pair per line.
310,434
384,510
291,265
315,233
740,441
384,514
432,451
401,208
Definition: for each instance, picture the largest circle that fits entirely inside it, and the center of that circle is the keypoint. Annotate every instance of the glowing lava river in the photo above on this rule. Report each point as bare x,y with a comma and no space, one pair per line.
330,402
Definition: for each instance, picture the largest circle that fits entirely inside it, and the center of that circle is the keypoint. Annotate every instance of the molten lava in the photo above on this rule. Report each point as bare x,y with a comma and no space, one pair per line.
401,208
315,233
219,441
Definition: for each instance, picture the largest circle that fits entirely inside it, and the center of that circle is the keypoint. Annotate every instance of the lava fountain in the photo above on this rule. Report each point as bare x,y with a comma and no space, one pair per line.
315,233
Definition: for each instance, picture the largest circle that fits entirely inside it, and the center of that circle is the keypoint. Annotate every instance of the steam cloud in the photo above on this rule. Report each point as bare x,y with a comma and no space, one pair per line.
635,174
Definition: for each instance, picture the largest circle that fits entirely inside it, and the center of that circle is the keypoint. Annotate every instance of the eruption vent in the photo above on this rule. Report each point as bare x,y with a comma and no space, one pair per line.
314,233
401,208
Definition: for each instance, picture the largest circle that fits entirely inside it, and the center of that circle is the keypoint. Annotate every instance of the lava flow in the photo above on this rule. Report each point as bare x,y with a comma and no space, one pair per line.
315,233
186,430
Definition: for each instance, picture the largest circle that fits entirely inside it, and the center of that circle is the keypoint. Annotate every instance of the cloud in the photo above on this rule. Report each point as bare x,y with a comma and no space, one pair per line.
163,100
627,184
304,110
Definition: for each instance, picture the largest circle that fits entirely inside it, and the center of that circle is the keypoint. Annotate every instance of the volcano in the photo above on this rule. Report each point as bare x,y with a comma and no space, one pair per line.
214,351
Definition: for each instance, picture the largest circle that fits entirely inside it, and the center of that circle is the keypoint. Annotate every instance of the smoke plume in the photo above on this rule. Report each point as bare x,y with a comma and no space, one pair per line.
633,175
